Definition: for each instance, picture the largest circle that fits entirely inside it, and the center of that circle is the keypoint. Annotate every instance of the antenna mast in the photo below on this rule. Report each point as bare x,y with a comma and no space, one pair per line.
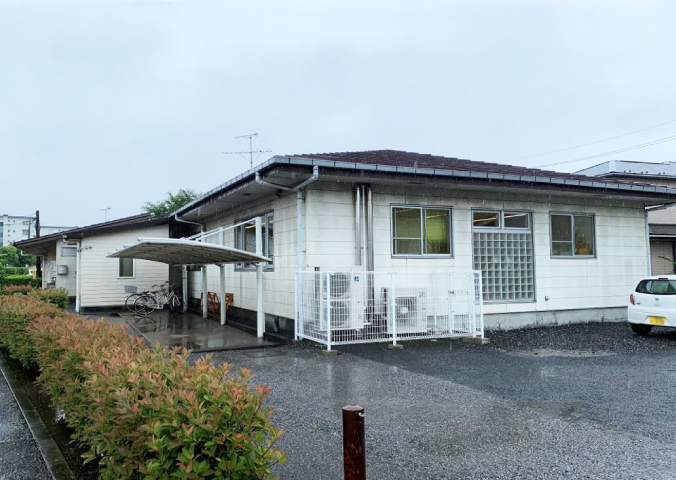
251,150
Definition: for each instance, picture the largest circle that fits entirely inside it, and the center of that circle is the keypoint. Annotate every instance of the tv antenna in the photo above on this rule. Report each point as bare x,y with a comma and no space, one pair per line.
105,213
251,150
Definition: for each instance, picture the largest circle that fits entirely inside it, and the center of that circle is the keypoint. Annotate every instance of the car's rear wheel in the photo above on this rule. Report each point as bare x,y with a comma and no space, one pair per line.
640,329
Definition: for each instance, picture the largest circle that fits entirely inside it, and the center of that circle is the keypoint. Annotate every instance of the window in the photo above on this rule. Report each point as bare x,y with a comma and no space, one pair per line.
24,231
69,251
126,267
421,231
245,239
503,251
572,235
657,287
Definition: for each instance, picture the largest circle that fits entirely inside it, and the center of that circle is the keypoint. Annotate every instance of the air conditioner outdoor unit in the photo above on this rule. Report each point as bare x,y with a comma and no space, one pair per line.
347,293
410,312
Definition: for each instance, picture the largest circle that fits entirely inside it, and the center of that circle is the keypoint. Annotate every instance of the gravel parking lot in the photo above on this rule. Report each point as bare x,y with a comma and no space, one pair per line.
574,402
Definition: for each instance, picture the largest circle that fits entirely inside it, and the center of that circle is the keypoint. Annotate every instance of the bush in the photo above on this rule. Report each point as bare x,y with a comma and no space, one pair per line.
56,296
16,312
4,271
16,289
20,280
144,414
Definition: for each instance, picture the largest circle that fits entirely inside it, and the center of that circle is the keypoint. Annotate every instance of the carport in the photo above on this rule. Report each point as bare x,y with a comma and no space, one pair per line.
195,251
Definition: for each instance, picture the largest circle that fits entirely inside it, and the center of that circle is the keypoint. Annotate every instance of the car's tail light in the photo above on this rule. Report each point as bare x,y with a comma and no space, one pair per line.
631,299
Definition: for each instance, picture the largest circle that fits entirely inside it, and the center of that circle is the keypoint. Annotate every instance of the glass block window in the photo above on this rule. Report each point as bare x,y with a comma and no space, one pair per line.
503,251
421,231
572,235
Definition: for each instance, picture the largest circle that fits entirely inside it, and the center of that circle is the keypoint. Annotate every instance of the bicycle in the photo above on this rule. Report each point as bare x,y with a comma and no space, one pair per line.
147,302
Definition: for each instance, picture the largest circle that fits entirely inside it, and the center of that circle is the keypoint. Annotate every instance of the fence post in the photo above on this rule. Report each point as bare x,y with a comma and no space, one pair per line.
328,311
393,308
354,443
451,316
480,296
471,292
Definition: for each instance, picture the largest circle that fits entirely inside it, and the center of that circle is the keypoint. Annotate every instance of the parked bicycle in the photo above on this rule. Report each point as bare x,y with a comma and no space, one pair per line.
146,303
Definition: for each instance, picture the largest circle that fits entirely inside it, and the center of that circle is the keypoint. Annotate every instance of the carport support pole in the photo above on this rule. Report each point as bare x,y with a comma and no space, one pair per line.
184,286
223,298
260,317
354,443
205,290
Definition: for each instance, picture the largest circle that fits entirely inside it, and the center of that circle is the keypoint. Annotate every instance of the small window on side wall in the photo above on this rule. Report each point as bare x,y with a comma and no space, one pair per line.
572,235
69,251
126,267
421,231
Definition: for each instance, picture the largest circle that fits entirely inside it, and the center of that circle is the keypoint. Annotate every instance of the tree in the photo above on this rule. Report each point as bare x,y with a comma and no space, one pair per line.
13,257
173,202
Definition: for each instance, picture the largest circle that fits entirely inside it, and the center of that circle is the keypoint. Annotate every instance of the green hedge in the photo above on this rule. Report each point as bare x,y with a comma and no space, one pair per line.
4,271
144,414
20,280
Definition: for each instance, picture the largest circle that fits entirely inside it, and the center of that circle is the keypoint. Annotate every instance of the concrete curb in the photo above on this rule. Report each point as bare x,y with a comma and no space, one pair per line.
51,454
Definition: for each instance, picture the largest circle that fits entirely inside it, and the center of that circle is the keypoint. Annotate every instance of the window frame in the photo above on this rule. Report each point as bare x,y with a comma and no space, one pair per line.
501,220
422,209
69,248
572,232
133,268
247,266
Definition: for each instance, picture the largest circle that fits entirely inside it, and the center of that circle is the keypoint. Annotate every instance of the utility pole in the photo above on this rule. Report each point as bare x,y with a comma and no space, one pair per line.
38,261
251,150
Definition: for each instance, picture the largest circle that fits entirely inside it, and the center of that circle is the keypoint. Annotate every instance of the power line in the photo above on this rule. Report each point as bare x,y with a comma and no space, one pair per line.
621,150
590,143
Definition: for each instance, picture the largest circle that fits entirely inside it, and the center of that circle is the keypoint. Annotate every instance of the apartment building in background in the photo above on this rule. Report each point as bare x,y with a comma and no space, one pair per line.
14,228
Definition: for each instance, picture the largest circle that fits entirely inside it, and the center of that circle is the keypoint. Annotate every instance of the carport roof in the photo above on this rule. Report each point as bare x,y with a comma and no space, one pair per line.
176,251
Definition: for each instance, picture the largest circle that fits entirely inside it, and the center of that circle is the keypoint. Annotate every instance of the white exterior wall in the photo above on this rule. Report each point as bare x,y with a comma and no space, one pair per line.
666,216
66,281
604,281
101,285
662,253
279,285
49,268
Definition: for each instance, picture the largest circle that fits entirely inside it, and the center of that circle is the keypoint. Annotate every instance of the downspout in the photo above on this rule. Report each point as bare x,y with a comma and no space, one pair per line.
647,244
78,277
370,263
299,226
299,208
184,269
180,220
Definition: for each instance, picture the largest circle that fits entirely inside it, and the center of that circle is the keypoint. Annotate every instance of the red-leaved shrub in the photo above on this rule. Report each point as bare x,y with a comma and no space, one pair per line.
151,414
16,312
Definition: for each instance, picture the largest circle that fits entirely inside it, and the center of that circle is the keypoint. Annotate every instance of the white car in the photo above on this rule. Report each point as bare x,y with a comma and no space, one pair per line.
653,303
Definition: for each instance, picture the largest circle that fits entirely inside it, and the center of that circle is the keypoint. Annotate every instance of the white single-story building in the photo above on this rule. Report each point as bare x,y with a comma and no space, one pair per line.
551,247
76,260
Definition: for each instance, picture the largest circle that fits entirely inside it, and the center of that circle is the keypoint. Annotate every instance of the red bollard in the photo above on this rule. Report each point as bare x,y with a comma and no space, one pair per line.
354,443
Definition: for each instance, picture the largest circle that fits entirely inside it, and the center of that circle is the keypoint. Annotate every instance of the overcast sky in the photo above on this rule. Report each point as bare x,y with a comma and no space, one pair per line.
113,103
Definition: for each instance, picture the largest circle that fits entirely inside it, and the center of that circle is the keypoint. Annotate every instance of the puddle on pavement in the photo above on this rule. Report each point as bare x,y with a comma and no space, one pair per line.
264,353
549,352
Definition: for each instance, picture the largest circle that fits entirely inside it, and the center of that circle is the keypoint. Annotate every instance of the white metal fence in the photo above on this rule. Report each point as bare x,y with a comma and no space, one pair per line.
341,307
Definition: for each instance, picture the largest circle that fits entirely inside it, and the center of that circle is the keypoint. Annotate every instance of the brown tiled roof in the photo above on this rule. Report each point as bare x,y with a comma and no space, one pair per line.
397,158
136,221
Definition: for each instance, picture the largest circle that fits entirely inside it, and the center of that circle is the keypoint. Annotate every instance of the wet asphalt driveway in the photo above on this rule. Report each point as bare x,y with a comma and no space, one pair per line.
586,401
